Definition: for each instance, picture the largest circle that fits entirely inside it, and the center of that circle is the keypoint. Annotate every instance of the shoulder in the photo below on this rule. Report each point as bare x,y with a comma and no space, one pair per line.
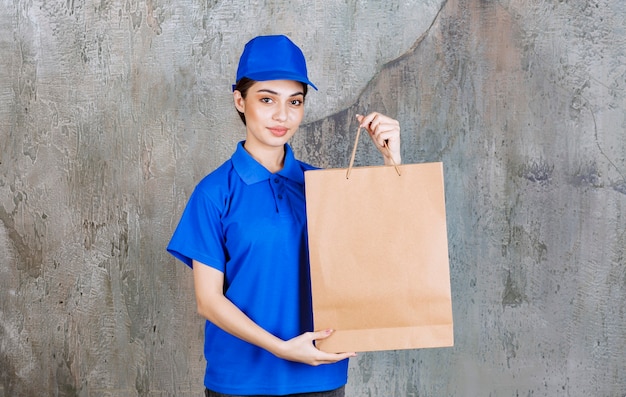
216,185
306,166
292,162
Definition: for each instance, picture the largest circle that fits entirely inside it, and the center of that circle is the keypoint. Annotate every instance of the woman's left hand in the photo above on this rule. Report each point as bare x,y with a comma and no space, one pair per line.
383,130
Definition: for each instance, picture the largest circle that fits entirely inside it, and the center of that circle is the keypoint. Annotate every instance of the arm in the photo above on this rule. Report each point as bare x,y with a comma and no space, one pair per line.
215,307
382,128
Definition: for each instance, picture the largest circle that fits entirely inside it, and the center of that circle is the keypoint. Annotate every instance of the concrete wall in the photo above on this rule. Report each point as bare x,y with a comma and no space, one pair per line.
111,111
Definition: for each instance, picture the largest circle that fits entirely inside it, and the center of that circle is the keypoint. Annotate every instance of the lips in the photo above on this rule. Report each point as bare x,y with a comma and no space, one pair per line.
278,131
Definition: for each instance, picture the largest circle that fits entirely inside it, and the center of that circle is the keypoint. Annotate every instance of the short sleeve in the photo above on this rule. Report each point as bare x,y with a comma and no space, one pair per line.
199,233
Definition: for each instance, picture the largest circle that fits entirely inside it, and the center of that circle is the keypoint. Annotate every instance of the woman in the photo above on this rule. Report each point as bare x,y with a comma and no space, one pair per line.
244,234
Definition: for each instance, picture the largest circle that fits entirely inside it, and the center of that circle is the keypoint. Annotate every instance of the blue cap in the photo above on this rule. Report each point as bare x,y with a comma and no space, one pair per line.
272,58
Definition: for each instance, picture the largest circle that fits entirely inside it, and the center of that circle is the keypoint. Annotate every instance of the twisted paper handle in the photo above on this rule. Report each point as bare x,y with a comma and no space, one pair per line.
356,142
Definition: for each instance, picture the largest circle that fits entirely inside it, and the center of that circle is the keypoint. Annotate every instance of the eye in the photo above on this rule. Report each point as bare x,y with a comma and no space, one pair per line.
297,102
266,100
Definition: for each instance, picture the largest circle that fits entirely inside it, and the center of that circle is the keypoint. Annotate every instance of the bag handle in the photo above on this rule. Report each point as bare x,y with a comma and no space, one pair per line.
356,142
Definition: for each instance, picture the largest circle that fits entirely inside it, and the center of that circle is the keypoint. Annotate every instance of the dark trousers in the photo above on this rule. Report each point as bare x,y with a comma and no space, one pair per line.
333,393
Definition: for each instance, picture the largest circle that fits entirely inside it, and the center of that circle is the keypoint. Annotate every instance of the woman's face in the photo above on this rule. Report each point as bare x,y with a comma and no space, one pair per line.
273,110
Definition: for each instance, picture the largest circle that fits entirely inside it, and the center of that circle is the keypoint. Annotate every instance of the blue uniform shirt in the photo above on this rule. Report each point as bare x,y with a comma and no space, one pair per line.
251,224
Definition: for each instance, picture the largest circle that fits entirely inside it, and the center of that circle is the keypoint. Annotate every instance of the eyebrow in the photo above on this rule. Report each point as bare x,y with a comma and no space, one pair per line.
276,93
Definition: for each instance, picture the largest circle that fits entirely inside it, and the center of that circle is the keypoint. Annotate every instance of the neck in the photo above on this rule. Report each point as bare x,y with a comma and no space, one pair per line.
272,158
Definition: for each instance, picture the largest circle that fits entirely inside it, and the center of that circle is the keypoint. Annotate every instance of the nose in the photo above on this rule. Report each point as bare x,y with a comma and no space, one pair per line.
280,113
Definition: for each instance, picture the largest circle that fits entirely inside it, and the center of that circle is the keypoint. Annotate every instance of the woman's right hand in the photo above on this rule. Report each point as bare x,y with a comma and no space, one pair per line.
215,307
301,349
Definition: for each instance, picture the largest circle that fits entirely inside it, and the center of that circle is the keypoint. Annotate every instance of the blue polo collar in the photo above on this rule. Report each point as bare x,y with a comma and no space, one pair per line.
251,171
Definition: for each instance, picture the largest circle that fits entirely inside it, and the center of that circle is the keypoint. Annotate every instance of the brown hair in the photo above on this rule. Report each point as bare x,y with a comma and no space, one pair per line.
244,84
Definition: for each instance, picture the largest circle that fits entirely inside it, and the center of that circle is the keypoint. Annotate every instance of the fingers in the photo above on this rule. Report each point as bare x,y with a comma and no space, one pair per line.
330,358
325,357
384,131
317,335
380,127
303,350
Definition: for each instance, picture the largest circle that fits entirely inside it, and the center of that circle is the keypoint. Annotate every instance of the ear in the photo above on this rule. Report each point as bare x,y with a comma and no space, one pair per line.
240,102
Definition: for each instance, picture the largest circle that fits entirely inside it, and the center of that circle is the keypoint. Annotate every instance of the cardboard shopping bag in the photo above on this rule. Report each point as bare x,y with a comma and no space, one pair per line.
379,257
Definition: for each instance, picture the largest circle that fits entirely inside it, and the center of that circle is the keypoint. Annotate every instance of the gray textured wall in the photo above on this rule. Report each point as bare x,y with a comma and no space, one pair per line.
111,111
